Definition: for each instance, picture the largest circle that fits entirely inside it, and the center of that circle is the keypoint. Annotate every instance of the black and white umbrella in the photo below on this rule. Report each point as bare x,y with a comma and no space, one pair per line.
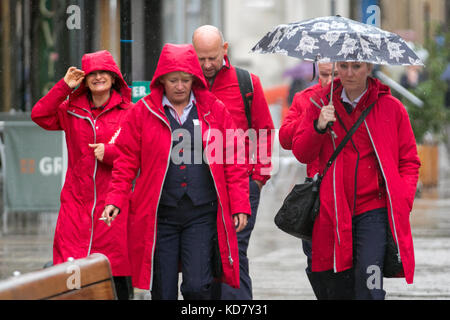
335,38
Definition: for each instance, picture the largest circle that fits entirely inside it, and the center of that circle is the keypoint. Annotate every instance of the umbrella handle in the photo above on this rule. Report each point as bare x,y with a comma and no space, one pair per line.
330,124
332,82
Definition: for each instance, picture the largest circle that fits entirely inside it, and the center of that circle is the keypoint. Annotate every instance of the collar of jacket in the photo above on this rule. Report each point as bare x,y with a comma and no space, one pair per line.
81,102
225,67
202,97
227,62
375,89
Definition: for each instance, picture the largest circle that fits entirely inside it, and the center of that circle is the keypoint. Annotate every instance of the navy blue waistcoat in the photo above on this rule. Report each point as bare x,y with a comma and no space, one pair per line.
188,174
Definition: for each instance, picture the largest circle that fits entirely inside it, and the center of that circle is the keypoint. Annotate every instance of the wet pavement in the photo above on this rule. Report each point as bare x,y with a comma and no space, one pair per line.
27,244
277,262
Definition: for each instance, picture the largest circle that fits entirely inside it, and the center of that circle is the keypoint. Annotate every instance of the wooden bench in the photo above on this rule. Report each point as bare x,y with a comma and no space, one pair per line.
89,278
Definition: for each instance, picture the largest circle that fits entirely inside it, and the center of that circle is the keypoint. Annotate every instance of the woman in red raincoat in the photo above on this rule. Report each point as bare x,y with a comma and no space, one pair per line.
91,118
145,144
367,194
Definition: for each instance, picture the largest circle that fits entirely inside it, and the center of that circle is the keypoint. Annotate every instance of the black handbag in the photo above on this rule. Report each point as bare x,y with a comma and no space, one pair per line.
301,206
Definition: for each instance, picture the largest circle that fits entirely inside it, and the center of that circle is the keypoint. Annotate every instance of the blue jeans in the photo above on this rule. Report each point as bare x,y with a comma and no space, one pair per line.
225,292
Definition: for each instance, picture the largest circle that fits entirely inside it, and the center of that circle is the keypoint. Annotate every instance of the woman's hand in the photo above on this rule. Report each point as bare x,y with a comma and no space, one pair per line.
99,150
240,221
73,77
326,115
109,214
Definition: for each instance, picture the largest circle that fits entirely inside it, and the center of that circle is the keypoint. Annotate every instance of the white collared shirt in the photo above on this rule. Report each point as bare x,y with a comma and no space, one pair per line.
353,103
181,119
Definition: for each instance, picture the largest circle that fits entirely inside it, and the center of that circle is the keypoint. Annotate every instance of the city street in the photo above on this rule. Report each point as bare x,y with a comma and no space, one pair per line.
277,262
70,72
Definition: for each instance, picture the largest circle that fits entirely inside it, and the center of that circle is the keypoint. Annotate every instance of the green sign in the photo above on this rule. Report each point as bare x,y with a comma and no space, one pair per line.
139,90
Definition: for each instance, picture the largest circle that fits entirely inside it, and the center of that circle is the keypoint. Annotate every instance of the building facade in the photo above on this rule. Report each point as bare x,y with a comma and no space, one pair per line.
40,39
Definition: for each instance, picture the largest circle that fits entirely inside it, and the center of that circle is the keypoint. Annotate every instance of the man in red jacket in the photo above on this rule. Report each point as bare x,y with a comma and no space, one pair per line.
286,134
212,50
298,108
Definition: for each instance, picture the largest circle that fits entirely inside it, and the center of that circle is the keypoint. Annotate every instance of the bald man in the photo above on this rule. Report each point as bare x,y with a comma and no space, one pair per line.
212,51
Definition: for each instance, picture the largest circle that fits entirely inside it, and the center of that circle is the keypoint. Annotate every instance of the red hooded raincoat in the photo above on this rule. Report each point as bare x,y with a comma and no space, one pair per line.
79,232
391,136
145,144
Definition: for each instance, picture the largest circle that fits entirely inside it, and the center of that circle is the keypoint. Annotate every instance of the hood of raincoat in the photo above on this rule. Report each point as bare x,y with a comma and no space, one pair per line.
102,60
178,57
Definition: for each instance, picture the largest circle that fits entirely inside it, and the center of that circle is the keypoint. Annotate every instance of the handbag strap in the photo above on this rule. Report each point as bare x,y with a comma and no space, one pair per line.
347,137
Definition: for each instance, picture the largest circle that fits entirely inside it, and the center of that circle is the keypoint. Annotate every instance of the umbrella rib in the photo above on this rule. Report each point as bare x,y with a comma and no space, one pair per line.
315,103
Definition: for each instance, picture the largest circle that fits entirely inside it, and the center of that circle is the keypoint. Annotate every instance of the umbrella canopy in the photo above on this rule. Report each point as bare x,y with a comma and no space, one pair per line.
334,38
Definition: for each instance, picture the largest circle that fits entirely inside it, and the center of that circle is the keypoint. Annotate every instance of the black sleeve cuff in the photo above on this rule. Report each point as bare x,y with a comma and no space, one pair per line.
317,129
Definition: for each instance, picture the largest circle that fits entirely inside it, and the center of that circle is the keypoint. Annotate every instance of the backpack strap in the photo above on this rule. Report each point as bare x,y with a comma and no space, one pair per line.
246,87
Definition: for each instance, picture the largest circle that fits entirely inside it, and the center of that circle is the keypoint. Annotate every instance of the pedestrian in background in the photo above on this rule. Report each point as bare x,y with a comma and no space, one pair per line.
367,194
222,81
288,128
91,119
178,206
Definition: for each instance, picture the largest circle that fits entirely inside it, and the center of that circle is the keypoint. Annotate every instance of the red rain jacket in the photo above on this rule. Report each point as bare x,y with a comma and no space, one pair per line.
226,88
145,144
79,232
392,138
292,121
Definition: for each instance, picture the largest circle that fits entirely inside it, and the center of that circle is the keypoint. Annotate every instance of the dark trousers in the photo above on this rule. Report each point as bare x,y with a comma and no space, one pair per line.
184,239
365,280
369,246
124,288
328,285
316,279
223,291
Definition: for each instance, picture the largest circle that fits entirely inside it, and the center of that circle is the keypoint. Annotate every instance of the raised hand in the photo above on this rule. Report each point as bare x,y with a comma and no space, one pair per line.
73,77
326,116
